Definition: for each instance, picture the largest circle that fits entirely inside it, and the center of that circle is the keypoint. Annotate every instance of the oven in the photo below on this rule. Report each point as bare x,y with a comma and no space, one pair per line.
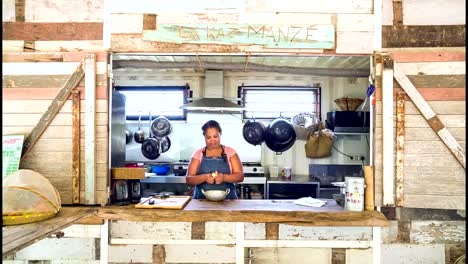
254,184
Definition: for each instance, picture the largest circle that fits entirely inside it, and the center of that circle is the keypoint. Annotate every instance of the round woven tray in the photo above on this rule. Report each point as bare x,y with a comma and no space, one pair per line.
348,104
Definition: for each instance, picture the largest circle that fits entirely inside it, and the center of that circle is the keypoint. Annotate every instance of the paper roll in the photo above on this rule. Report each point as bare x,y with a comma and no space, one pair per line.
369,192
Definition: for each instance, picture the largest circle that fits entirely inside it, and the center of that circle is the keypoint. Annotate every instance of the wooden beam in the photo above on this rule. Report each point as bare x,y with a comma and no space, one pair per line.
399,36
149,22
271,231
76,147
90,133
430,115
397,12
369,202
18,237
387,128
144,64
400,148
52,31
53,109
20,10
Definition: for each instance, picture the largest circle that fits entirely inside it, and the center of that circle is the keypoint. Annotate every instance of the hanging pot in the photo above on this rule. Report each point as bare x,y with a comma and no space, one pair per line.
139,135
161,127
253,132
165,144
150,146
280,135
128,136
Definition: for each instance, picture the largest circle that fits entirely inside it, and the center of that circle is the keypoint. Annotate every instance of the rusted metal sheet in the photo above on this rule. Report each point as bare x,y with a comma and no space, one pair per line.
76,147
270,36
400,148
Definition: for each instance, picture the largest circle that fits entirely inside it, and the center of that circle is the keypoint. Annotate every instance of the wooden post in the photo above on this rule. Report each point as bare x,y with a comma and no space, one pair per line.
387,131
76,147
400,148
430,115
90,116
53,109
369,192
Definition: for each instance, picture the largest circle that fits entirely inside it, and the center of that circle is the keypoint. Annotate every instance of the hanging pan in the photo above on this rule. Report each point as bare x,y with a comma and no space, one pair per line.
139,135
280,135
253,132
150,146
161,127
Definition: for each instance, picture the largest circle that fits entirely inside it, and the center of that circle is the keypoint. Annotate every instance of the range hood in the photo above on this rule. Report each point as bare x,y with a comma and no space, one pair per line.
213,99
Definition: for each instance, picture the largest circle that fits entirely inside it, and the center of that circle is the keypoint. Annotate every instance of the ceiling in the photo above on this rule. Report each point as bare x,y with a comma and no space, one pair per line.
343,66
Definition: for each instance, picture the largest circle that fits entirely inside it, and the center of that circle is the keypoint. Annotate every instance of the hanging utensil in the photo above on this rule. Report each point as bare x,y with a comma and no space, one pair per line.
161,127
165,144
128,136
139,135
150,146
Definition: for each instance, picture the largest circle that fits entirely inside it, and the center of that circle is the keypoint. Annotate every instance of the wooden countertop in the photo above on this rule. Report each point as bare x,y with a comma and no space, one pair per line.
16,237
255,211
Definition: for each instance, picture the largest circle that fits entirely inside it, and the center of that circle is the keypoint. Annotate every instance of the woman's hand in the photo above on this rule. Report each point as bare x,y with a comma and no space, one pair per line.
209,178
219,178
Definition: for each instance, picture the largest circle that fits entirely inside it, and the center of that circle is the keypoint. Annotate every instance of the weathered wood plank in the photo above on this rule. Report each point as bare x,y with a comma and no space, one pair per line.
387,134
175,6
40,106
434,174
43,81
433,81
53,132
207,18
70,46
314,6
49,56
430,188
20,236
438,232
439,107
52,110
429,115
428,56
47,68
354,42
437,12
423,36
52,31
198,230
431,68
369,195
8,11
20,10
435,201
400,148
64,11
46,93
354,22
271,231
60,119
90,131
76,146
452,121
149,22
126,23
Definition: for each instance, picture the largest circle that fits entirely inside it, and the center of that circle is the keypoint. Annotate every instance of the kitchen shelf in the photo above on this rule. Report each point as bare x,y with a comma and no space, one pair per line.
351,133
164,179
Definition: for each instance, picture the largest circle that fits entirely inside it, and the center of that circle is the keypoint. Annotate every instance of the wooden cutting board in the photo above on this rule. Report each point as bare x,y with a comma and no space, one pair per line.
172,202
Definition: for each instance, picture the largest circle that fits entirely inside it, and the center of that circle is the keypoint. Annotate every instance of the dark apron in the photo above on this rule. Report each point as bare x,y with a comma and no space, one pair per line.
209,165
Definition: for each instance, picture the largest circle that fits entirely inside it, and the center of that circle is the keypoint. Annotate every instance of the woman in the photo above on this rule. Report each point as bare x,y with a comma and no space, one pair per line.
215,166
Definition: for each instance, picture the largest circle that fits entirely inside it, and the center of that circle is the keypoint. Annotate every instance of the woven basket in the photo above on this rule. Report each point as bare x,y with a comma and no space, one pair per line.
348,104
128,173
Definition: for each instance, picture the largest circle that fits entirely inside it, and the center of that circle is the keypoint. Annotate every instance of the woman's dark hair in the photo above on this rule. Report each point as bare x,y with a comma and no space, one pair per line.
211,124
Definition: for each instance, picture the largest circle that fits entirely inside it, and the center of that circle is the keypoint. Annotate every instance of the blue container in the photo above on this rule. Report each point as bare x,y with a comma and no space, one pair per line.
160,169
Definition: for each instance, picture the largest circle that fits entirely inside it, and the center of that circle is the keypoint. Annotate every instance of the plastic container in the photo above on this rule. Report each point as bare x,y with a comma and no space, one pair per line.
354,194
160,169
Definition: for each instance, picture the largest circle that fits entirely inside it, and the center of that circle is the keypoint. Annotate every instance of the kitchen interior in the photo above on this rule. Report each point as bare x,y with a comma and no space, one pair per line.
177,94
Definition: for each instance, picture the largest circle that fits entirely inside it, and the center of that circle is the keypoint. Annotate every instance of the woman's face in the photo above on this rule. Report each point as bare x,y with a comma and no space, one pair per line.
212,138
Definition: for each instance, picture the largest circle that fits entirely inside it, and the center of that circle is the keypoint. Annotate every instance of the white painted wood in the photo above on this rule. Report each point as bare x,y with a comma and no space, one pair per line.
82,230
312,6
69,46
355,42
355,22
130,254
288,18
153,230
290,255
220,231
376,244
439,107
378,17
40,106
9,12
175,6
150,241
59,248
418,121
308,243
388,138
435,201
127,23
435,68
387,12
359,256
104,242
200,254
412,253
200,18
12,45
438,232
46,68
107,25
90,129
389,234
428,113
436,12
240,243
63,11
254,231
292,232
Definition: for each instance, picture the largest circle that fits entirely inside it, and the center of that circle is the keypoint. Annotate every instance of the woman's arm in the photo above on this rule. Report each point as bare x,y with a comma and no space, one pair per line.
237,173
192,178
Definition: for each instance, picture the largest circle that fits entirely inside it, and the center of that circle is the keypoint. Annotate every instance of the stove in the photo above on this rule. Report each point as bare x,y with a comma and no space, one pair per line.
253,170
